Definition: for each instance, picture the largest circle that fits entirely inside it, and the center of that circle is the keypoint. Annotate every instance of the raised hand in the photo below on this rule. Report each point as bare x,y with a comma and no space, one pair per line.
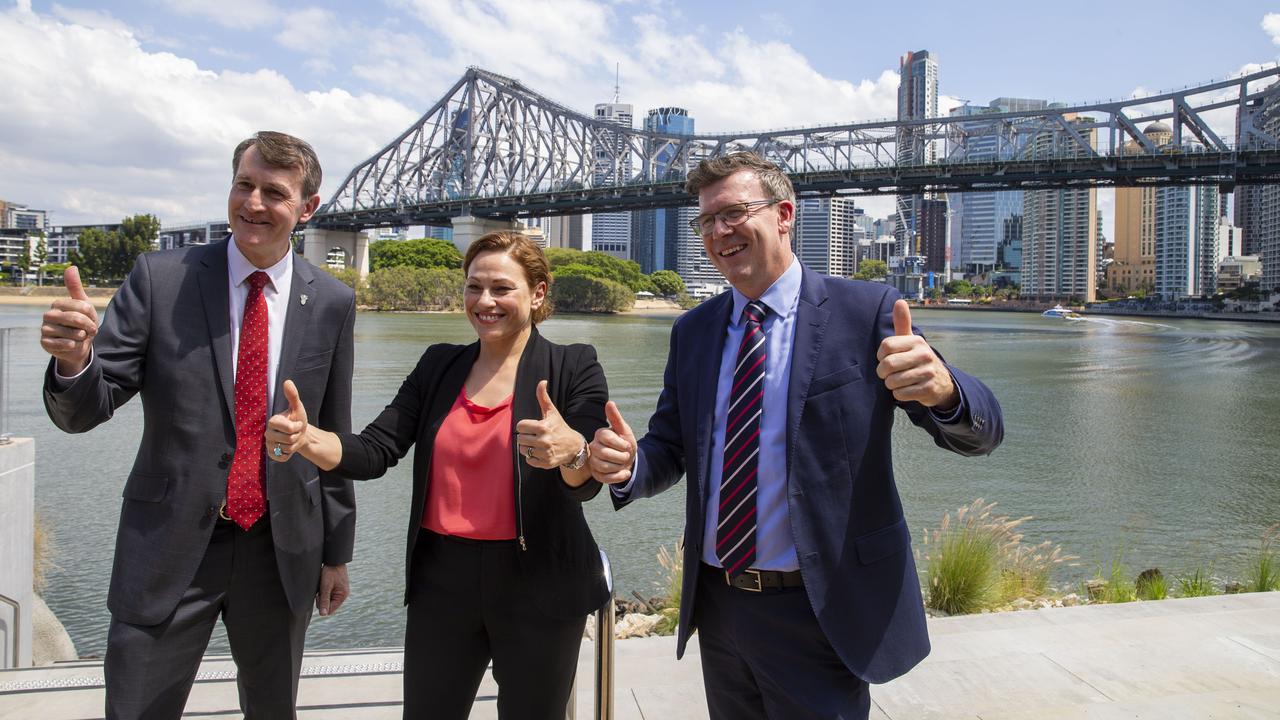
613,450
287,431
911,369
69,326
550,442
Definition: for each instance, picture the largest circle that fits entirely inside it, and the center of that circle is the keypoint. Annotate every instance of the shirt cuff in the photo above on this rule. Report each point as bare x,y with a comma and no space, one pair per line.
952,416
622,491
62,382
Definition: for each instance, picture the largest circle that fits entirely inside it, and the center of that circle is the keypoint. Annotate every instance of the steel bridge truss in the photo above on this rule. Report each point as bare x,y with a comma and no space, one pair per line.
492,147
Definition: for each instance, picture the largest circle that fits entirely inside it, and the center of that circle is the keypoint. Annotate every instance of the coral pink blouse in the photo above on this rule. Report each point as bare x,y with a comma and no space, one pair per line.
471,490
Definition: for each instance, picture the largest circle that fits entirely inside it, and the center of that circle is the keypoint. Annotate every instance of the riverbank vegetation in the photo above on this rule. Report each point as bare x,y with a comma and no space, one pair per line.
426,274
978,561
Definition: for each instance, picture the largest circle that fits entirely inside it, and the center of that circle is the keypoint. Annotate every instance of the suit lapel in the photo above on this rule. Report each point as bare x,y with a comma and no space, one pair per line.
297,320
708,376
811,328
215,298
535,365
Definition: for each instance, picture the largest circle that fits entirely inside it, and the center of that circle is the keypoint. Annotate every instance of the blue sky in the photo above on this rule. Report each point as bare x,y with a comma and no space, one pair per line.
124,107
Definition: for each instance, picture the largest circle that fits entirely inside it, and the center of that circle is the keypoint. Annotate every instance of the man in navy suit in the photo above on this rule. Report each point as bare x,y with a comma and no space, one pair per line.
798,570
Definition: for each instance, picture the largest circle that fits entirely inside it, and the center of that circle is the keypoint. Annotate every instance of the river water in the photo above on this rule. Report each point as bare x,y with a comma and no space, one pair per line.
1151,438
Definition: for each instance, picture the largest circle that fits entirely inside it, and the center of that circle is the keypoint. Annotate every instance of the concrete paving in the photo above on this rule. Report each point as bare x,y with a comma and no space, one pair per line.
1198,658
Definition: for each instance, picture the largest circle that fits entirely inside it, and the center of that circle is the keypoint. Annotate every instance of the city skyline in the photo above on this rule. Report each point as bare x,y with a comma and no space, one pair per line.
136,110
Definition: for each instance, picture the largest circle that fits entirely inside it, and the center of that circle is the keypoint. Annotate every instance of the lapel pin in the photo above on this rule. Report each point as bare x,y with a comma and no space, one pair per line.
302,299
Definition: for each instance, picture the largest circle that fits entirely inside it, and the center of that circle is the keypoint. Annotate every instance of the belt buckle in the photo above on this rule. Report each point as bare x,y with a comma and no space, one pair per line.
749,571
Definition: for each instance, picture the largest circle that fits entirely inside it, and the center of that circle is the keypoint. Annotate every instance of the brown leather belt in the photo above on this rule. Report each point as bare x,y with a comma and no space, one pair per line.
753,580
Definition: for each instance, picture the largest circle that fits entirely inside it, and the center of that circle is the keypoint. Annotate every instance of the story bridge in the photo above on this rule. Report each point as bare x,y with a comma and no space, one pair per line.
493,150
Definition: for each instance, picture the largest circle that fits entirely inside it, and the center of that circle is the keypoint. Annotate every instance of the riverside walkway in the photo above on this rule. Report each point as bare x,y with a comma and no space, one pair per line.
1213,657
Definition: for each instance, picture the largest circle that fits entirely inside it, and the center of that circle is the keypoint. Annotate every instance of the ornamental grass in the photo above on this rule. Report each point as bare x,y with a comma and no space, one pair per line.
978,561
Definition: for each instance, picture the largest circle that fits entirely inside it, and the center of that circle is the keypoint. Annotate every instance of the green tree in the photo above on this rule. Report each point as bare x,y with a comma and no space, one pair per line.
872,270
626,272
41,258
349,277
959,288
23,263
668,283
94,256
411,288
578,293
421,253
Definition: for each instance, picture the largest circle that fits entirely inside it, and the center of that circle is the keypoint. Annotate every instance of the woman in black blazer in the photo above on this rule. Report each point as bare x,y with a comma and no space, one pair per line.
501,565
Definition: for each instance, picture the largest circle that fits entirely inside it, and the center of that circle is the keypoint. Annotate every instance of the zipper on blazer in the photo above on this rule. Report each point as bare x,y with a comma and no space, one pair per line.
515,453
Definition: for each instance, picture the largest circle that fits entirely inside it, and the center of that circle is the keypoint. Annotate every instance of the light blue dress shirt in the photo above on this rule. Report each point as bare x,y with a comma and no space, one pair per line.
775,548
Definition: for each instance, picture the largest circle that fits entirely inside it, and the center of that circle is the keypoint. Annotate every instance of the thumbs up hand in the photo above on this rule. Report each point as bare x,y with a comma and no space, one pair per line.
911,369
613,451
69,326
550,442
287,431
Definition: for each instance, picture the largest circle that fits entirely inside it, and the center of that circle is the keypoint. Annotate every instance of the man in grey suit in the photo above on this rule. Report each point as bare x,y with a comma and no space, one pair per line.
207,334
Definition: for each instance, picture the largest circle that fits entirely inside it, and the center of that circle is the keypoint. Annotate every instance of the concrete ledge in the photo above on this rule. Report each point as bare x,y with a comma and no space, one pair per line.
1215,657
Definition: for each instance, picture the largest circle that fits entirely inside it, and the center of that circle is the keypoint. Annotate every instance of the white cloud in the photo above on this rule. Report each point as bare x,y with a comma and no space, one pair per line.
312,31
235,14
1271,25
99,128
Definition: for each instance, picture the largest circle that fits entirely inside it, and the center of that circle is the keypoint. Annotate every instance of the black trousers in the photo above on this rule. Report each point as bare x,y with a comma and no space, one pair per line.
149,669
467,606
764,656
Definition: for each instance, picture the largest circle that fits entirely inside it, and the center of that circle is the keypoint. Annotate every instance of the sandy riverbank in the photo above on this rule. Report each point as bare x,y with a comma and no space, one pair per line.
43,296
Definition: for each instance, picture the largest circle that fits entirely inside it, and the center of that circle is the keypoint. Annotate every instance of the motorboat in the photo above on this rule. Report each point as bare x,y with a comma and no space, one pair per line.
1057,311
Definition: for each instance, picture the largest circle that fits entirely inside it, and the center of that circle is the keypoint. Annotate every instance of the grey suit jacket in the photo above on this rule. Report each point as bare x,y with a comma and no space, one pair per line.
167,336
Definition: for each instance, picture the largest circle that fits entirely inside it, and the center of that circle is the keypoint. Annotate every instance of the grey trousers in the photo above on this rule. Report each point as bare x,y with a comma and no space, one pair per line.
150,668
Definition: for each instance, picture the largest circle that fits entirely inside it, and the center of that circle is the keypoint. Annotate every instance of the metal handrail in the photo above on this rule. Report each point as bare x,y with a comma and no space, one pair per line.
17,624
604,656
5,435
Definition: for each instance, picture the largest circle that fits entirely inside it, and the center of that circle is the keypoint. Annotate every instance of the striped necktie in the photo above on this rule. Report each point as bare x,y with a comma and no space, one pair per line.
736,533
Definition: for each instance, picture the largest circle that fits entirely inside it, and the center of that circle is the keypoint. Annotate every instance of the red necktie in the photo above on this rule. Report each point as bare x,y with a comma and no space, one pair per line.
736,533
246,499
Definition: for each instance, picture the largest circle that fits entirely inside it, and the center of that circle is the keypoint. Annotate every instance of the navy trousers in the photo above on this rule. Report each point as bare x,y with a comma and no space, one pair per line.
765,657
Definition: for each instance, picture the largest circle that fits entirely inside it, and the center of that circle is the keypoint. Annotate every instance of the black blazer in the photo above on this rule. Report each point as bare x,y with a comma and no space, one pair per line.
558,556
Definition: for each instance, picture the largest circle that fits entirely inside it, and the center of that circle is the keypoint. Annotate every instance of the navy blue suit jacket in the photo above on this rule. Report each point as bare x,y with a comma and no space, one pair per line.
852,540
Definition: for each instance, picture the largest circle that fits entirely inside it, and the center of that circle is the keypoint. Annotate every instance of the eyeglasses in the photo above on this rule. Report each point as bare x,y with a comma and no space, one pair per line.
731,216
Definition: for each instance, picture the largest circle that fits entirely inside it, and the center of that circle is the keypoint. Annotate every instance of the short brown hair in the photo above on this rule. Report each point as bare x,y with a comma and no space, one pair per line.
283,151
525,252
773,180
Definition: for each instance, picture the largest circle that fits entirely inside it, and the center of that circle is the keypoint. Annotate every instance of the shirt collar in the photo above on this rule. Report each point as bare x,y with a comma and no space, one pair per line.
240,267
781,298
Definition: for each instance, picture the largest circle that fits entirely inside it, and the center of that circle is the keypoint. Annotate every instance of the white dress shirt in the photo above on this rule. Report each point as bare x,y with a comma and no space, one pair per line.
277,294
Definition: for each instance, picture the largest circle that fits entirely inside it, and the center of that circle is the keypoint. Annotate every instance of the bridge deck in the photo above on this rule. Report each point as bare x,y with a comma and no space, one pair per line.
1215,657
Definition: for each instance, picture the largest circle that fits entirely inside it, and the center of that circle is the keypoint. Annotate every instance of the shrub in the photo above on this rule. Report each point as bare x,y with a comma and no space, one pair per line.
1151,585
577,293
410,288
673,576
1197,583
979,561
1264,573
1116,586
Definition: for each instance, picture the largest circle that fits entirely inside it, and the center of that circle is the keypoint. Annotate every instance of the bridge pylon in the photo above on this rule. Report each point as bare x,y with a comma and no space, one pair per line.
467,228
317,244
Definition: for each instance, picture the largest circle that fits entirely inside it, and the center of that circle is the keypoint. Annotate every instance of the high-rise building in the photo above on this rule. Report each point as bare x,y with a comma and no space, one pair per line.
611,232
1186,241
917,99
21,217
1257,207
980,219
1134,266
564,231
825,235
656,234
1059,233
932,235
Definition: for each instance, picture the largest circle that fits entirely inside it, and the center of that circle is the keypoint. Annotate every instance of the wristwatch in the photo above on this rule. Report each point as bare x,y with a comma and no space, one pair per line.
581,458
